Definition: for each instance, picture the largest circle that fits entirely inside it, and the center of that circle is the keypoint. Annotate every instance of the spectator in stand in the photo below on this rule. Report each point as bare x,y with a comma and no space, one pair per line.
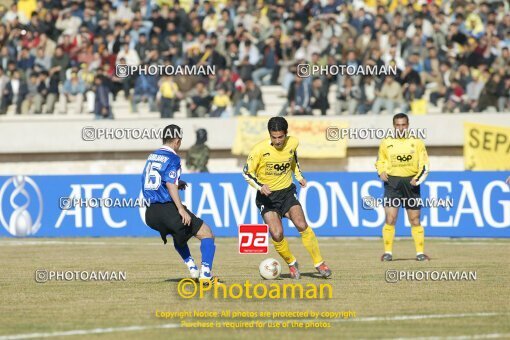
42,62
490,93
53,91
59,63
254,39
199,102
146,89
504,100
73,91
27,106
5,57
473,91
298,98
446,77
349,96
268,73
4,99
170,95
221,103
368,90
42,92
389,97
455,98
15,92
251,99
431,72
127,56
68,22
411,73
26,60
319,96
103,109
412,92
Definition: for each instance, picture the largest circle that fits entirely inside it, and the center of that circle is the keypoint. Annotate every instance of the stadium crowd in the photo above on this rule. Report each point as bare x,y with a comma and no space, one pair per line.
449,53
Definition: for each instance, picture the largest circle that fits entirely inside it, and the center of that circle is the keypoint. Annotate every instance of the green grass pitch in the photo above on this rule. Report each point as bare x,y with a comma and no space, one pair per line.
110,310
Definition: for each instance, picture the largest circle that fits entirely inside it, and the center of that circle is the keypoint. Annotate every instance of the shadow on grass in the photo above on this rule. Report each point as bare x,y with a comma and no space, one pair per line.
175,280
282,277
409,259
310,274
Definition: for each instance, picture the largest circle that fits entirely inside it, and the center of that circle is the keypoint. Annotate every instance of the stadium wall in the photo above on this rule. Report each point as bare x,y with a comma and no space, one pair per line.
442,130
49,155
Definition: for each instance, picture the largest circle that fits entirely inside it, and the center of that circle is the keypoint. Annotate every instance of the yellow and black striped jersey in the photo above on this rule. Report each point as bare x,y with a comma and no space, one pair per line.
403,157
268,165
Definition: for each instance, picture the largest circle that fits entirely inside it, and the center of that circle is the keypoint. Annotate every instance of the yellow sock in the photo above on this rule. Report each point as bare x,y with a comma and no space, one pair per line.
419,238
312,245
282,248
388,234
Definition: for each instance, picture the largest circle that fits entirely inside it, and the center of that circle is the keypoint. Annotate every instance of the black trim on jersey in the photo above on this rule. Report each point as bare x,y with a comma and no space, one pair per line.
250,176
297,162
421,173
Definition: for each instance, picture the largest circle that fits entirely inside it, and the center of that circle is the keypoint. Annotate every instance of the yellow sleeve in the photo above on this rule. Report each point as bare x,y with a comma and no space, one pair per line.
382,159
295,164
423,163
250,169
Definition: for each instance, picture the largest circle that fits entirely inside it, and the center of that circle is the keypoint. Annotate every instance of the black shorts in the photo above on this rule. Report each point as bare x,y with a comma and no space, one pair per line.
165,219
279,200
398,192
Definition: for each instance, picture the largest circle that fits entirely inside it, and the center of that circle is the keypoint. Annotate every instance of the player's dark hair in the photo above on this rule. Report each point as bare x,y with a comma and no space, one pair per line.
277,124
399,116
171,132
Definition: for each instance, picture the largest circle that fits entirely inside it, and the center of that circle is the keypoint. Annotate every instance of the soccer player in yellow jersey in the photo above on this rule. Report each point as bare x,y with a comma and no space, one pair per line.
403,164
269,170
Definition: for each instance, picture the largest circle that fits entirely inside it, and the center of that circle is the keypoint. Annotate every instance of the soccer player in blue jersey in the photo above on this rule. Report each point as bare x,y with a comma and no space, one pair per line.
166,213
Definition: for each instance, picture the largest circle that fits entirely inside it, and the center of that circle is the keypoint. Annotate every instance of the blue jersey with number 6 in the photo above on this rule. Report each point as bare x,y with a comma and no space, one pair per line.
162,166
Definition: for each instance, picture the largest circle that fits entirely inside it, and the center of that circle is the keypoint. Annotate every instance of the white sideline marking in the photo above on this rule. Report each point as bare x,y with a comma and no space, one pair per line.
476,243
176,325
460,337
86,331
419,317
85,243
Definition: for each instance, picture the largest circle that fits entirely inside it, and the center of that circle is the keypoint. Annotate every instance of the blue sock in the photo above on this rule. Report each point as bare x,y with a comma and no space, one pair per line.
207,248
183,251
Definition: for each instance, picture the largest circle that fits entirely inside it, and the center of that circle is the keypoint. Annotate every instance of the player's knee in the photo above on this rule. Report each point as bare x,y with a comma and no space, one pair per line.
205,232
301,226
391,220
277,236
415,222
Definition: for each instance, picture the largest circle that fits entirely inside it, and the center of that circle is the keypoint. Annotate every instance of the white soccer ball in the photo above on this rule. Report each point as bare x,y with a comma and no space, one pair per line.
270,269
